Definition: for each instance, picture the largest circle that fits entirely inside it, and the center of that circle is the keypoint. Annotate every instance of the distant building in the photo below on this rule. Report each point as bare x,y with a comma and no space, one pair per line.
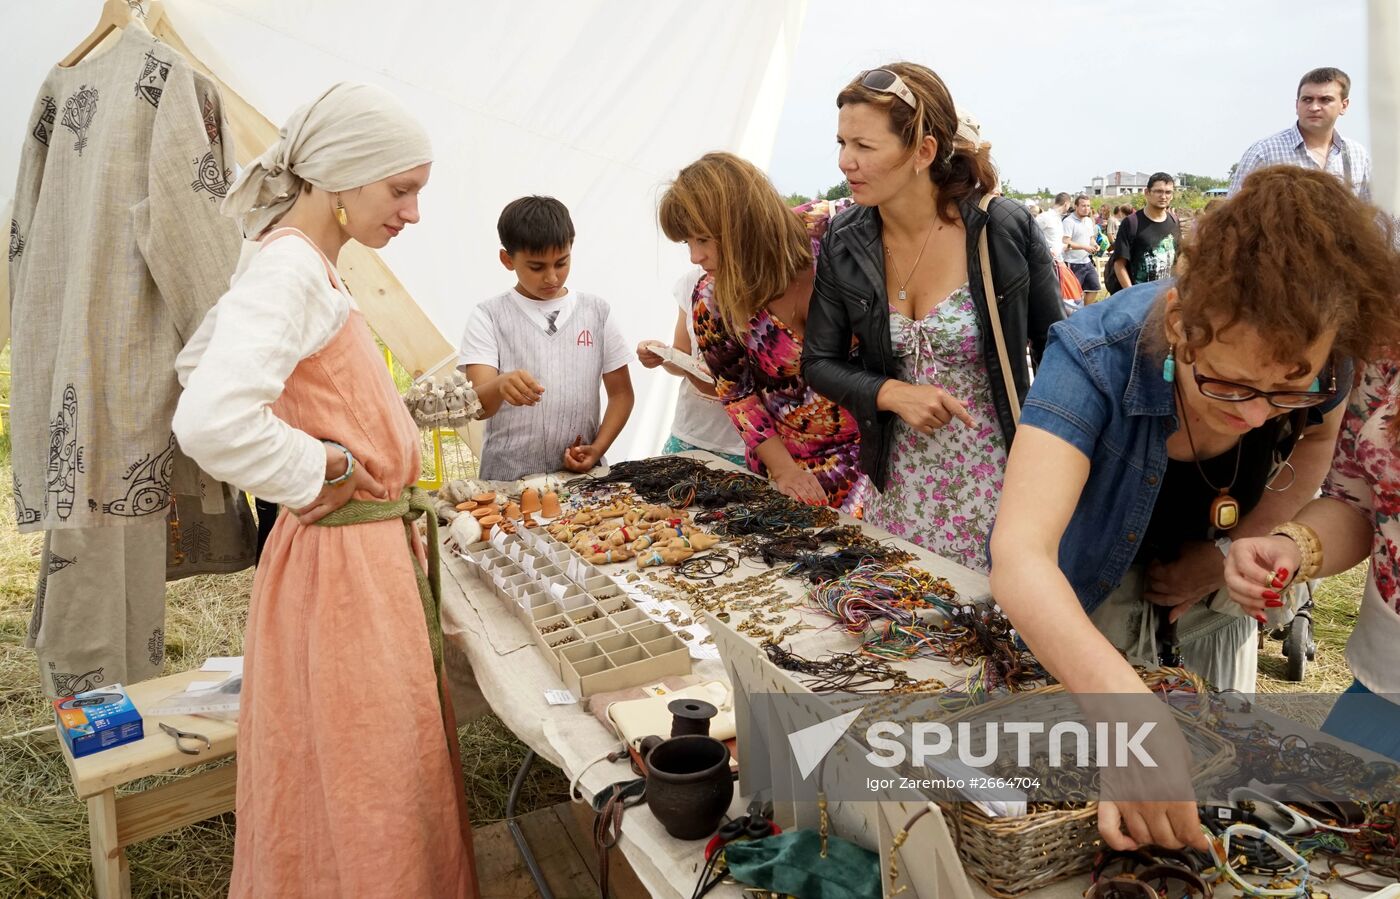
1117,184
1218,192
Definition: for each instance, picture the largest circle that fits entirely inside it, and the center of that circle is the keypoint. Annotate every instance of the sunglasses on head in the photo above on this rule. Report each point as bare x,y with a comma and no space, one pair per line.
890,83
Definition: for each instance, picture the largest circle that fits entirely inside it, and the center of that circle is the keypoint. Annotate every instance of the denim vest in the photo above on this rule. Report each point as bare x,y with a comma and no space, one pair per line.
1100,389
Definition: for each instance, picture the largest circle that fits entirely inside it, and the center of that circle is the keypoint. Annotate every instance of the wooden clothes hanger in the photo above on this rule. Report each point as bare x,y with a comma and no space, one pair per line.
116,15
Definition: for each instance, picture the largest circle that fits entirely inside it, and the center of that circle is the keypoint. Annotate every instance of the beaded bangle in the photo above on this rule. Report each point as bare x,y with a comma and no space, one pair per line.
1308,544
1294,879
349,464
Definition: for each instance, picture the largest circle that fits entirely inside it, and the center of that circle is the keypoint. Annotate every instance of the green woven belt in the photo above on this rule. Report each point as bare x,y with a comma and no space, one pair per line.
410,506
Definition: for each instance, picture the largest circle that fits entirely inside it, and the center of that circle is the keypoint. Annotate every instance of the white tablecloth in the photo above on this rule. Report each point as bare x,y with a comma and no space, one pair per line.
513,676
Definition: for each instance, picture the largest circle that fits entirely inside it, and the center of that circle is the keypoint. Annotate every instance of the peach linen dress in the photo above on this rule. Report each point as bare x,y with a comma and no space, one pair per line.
347,783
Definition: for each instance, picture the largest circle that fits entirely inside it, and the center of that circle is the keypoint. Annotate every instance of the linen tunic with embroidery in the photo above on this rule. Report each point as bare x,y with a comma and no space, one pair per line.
117,249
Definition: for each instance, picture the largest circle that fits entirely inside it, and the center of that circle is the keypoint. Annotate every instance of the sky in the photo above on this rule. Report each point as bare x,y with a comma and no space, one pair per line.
1069,89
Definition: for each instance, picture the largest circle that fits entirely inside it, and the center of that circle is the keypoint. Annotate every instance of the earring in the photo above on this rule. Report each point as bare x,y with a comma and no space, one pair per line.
340,215
1169,365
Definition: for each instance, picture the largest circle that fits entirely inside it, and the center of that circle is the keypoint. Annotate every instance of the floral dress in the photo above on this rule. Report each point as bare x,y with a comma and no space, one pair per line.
1366,476
943,489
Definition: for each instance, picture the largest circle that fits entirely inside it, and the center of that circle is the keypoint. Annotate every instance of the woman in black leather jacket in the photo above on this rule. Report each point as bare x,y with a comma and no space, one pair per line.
899,331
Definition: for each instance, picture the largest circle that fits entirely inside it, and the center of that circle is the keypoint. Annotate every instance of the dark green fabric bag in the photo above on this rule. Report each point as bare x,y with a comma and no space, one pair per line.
790,863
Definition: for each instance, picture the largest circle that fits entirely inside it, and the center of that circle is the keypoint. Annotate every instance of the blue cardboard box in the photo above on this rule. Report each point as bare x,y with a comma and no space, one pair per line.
97,720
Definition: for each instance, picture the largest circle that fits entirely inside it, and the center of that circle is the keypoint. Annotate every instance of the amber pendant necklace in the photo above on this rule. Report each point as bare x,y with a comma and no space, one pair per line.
1224,509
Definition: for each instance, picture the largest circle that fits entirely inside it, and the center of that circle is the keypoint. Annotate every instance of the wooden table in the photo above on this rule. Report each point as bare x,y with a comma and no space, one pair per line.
116,822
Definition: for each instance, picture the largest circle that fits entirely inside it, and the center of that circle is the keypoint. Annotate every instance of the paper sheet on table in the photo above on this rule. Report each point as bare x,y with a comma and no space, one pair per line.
220,699
231,664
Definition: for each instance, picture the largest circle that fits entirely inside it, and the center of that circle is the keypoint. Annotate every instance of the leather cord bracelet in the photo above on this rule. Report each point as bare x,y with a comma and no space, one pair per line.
349,464
1124,886
1115,862
1158,876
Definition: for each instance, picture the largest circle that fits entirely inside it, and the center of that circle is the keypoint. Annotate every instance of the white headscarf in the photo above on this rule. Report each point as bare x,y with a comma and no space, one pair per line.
350,136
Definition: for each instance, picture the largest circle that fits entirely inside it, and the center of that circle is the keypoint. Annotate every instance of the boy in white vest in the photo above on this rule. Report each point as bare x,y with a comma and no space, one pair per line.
537,352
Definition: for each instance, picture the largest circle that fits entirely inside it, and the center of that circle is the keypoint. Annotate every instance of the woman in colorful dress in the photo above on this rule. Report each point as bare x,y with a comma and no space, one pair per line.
1357,518
750,316
349,782
901,274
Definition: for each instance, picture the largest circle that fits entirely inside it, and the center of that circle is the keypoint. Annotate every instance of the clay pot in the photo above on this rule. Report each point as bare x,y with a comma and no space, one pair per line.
689,787
691,716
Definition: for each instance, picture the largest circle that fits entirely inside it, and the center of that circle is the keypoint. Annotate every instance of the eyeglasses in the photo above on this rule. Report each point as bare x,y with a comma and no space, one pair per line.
890,83
1231,392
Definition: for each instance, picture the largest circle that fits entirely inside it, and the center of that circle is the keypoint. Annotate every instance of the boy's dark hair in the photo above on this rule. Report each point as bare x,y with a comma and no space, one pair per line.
535,224
1160,176
1060,197
1324,75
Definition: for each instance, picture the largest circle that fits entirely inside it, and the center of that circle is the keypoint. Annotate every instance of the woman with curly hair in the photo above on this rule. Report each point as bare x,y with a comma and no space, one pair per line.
1174,418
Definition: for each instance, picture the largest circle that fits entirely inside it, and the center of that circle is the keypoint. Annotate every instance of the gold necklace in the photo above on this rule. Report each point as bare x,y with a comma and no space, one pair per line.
904,297
1224,509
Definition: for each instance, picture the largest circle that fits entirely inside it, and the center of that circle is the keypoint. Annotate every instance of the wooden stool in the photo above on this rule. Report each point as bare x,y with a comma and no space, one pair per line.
116,822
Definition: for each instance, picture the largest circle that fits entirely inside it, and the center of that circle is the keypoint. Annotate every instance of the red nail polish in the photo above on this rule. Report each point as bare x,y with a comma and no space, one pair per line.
1276,584
1269,594
1261,619
1273,603
1283,573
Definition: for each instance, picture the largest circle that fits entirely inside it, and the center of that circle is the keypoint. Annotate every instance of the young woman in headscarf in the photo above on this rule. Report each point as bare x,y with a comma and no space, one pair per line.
349,782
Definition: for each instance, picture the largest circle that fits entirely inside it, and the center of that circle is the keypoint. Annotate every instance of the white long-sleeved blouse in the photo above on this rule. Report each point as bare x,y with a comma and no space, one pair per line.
280,309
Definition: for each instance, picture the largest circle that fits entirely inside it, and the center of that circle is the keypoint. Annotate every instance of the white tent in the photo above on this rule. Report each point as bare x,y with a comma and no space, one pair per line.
596,102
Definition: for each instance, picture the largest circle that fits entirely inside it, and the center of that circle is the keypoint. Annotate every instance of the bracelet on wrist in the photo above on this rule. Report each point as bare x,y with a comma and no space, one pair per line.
1309,546
349,464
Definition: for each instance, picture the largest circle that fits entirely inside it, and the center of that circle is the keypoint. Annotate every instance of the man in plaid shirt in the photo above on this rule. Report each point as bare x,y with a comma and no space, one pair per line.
1313,141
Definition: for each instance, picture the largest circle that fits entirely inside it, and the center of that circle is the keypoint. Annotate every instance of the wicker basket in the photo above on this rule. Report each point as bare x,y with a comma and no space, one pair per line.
1012,856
